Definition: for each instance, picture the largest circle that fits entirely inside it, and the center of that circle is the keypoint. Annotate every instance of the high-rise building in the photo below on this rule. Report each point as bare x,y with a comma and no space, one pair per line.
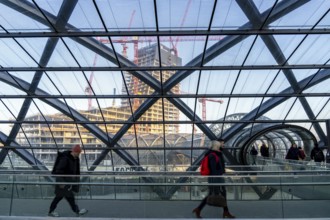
68,134
149,56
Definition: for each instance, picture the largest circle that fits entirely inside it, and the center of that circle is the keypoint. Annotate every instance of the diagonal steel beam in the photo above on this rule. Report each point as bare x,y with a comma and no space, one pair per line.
273,102
27,9
279,11
254,16
63,15
62,107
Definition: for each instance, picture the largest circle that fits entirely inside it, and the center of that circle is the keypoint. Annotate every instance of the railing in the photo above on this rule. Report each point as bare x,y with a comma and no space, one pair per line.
269,182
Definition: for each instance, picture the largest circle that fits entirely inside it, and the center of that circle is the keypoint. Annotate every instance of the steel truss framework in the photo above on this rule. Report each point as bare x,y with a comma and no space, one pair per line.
258,25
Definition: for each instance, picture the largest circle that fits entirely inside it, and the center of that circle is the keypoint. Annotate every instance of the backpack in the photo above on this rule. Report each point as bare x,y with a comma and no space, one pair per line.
205,168
57,160
319,156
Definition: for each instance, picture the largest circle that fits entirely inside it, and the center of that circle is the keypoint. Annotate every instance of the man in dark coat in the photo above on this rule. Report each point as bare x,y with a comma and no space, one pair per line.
293,152
67,165
217,168
317,154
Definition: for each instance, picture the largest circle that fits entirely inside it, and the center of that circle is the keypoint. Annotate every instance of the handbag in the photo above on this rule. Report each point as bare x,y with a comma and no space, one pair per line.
216,200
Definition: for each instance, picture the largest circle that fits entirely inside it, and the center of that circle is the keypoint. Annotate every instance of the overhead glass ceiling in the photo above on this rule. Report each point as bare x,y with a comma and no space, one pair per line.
144,83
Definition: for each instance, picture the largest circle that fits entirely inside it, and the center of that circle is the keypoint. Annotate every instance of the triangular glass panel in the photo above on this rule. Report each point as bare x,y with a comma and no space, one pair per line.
18,57
280,84
297,112
288,43
125,16
217,82
260,54
11,19
278,110
52,7
11,107
313,50
235,55
184,15
25,76
320,87
317,104
59,56
254,82
228,15
96,55
242,106
35,47
79,20
325,113
303,17
5,128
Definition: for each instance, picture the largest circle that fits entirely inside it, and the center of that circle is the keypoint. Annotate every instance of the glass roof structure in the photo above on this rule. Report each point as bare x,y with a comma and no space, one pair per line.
148,83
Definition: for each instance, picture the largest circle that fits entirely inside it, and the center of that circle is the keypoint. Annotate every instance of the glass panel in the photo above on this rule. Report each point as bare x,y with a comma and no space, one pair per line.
325,113
18,57
60,56
50,6
320,87
243,105
85,17
11,20
261,54
303,17
280,83
184,14
87,52
235,55
297,112
10,108
180,50
228,15
288,43
256,81
35,47
280,111
313,50
127,15
217,82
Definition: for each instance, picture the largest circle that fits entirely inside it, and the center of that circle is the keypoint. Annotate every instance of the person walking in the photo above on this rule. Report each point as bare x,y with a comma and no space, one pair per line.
217,168
264,151
66,165
301,153
293,153
254,153
317,154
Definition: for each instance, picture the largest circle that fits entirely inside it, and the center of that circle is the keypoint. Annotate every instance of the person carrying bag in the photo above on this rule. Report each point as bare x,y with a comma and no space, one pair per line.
217,193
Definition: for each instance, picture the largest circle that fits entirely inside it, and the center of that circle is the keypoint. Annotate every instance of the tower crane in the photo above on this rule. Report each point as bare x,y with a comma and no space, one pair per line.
88,88
203,101
174,45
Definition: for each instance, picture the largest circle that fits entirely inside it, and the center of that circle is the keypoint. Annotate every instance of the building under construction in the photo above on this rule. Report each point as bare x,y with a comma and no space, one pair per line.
69,134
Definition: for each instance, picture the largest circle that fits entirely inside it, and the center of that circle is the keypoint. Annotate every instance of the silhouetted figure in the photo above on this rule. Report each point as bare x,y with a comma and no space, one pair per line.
254,153
264,151
217,168
67,164
317,154
293,153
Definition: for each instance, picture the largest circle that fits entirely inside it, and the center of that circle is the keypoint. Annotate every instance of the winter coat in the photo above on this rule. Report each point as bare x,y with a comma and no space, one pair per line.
317,155
67,165
293,154
217,168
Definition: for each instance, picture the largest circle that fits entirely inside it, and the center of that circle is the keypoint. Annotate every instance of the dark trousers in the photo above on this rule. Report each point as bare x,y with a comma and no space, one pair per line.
214,190
69,196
